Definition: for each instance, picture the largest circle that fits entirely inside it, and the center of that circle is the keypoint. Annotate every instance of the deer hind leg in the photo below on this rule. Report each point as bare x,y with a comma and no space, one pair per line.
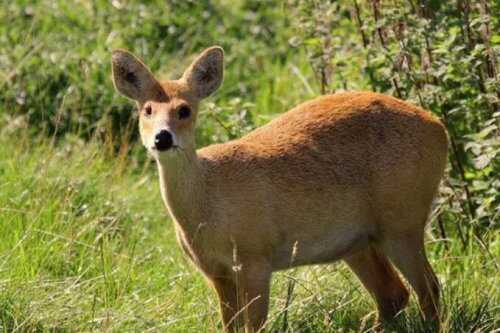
378,276
407,253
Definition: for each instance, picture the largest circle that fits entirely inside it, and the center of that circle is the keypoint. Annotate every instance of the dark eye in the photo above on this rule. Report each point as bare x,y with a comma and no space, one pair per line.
148,110
184,112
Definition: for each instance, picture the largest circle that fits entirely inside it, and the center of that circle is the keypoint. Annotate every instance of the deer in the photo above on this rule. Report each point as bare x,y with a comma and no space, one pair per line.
348,176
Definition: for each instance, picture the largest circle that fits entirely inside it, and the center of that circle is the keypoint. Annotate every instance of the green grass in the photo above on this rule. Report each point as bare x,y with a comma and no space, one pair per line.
85,244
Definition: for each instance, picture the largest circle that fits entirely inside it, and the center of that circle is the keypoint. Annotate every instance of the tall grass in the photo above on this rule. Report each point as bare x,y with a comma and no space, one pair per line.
85,244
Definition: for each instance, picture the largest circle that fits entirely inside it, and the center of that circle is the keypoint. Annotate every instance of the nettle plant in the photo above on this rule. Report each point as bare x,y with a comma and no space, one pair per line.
316,20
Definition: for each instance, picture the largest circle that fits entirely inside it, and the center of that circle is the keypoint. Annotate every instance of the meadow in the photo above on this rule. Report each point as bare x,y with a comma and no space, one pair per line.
85,241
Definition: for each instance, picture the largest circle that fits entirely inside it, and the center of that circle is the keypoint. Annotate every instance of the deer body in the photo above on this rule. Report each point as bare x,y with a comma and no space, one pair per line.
347,176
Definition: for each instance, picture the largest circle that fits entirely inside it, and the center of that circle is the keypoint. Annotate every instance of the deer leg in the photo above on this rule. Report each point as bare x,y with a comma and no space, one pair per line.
378,276
255,285
244,298
228,303
408,255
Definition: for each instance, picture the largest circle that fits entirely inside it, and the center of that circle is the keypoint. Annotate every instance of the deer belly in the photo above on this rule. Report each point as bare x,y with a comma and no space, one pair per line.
319,248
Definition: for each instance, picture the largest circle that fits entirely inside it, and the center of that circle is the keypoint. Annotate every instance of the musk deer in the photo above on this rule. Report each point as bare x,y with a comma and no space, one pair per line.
347,176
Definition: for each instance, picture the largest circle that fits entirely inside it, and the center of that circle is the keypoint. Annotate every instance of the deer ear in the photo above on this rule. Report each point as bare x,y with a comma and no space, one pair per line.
133,79
205,74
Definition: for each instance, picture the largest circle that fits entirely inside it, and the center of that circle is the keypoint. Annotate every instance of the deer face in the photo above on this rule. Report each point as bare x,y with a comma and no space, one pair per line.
168,110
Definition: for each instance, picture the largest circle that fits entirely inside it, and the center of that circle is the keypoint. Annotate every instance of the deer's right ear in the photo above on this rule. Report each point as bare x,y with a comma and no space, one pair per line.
132,78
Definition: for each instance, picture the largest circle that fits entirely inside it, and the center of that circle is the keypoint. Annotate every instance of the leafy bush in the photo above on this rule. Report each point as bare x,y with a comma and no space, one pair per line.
440,55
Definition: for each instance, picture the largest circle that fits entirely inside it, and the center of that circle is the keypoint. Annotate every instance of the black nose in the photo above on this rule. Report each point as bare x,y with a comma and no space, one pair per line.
163,140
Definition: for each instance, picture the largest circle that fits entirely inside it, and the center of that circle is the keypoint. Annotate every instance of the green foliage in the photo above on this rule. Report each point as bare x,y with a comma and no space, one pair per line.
56,55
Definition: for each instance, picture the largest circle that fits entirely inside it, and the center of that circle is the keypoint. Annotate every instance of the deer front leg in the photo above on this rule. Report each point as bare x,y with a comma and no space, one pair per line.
244,298
228,302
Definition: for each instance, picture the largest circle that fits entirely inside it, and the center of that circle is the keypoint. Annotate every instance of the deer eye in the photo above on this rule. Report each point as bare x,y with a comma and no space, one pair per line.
148,111
184,112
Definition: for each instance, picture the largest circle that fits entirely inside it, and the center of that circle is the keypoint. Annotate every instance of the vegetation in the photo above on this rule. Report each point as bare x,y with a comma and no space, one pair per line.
85,243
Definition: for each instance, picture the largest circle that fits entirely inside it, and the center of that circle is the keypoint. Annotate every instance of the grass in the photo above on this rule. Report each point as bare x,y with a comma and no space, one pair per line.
85,242
86,245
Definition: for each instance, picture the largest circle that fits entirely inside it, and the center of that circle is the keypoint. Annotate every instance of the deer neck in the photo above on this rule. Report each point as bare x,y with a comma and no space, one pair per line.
182,188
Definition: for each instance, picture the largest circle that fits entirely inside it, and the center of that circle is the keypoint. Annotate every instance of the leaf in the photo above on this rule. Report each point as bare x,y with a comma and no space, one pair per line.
485,132
482,161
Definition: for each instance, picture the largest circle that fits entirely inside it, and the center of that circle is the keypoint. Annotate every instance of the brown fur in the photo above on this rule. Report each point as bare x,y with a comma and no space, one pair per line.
347,176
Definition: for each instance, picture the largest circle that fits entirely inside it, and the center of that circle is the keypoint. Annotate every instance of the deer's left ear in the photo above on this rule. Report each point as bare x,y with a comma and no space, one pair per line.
133,79
205,74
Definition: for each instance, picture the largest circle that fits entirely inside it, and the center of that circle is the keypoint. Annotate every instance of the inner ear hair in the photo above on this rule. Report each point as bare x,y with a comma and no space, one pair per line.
131,77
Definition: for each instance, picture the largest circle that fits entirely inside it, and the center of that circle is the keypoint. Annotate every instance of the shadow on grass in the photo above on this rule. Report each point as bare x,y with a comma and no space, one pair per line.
458,317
